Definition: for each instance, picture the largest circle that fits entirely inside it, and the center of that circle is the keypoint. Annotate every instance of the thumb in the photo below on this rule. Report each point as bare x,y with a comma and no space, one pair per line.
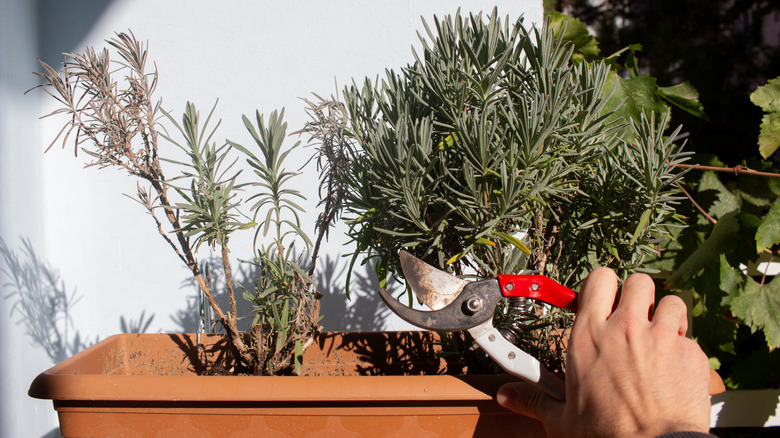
530,400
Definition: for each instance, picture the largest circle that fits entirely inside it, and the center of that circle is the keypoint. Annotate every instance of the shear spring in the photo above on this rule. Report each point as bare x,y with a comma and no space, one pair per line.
519,315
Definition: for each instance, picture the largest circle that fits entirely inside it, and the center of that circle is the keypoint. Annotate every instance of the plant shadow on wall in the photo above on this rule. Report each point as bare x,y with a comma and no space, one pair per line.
197,315
334,152
66,26
43,304
364,311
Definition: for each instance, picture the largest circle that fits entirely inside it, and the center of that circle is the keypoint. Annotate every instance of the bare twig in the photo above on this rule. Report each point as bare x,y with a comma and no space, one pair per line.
736,170
696,204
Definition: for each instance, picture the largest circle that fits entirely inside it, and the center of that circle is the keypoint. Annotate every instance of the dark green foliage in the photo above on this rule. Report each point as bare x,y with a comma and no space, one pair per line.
736,304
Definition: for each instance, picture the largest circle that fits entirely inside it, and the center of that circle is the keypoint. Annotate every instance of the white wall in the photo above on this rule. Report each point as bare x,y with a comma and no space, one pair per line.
249,54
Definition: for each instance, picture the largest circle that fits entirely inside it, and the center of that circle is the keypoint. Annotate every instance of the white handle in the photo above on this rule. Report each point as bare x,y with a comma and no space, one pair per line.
519,363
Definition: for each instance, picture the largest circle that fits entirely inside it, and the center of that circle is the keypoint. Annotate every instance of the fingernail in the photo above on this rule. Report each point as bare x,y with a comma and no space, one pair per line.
505,396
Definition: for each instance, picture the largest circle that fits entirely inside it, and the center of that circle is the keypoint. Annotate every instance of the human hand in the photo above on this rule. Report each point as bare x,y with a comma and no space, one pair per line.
630,372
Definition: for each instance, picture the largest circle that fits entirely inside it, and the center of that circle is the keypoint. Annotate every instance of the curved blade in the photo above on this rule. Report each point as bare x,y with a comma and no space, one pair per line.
471,308
432,286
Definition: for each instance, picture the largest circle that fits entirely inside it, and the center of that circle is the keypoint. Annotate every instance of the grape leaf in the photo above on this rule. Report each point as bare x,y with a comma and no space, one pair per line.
720,241
769,232
768,98
769,137
685,97
585,45
729,279
636,94
759,369
758,305
725,201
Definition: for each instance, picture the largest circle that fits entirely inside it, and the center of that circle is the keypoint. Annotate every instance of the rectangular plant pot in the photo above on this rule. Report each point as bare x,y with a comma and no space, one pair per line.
379,384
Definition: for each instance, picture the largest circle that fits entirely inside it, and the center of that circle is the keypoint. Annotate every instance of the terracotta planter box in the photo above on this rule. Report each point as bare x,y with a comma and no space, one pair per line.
148,385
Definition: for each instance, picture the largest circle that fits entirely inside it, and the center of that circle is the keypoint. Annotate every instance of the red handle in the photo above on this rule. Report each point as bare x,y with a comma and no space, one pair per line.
540,288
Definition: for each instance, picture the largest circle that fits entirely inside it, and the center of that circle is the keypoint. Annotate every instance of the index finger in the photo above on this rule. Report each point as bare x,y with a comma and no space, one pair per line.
597,295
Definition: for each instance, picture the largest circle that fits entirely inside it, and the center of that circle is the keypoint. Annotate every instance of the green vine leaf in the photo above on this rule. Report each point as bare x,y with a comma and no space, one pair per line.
720,241
769,137
585,45
685,97
758,305
638,94
769,231
725,201
767,97
714,333
729,279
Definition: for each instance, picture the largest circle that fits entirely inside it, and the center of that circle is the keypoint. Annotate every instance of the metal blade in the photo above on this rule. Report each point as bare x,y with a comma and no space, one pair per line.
434,287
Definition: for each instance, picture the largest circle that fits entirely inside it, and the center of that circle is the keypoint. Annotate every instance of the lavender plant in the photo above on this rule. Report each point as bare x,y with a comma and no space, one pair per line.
494,153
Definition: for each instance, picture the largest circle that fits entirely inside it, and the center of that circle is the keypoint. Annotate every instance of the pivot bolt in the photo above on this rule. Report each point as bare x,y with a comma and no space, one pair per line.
474,305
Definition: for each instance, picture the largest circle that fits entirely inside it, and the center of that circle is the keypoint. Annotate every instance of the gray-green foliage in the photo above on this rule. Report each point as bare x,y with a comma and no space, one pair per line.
492,131
284,301
283,295
209,207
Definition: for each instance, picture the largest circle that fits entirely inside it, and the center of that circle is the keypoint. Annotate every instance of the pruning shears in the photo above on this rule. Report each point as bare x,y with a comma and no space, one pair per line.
461,305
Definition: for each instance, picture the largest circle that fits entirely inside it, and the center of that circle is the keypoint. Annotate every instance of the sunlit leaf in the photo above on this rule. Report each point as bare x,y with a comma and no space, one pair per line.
456,257
769,137
575,31
640,227
768,233
298,358
768,98
758,305
514,241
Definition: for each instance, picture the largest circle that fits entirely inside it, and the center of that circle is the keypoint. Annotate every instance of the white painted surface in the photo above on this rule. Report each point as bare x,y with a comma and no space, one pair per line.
746,408
249,54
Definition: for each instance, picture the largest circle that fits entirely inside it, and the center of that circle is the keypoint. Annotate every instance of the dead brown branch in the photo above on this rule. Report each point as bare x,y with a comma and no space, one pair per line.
115,123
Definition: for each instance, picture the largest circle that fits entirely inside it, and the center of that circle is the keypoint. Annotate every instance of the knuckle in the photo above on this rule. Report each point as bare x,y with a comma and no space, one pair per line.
674,301
640,280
